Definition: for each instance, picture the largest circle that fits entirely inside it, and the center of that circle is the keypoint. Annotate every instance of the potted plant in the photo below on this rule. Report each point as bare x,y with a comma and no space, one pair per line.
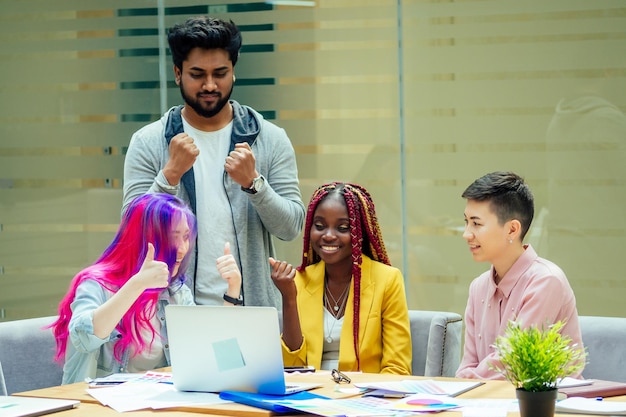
534,359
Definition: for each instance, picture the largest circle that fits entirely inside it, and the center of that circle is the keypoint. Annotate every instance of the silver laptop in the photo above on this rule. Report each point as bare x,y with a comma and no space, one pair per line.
11,406
221,348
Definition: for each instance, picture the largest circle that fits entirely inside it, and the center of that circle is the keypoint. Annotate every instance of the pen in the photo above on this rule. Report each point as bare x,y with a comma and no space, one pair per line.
598,398
392,395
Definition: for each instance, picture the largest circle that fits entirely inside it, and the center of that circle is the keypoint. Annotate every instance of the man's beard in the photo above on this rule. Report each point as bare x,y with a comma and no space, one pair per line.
197,106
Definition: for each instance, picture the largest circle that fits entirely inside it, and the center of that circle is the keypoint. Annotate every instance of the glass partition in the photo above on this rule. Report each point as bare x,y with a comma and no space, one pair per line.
413,99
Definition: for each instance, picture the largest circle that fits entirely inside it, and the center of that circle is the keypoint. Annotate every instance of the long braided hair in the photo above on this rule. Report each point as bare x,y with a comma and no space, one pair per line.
365,235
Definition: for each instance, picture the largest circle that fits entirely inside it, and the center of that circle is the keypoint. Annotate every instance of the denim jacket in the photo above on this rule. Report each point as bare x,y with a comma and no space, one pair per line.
89,356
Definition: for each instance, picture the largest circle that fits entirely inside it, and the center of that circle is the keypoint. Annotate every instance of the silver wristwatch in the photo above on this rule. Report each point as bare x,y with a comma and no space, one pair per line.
257,184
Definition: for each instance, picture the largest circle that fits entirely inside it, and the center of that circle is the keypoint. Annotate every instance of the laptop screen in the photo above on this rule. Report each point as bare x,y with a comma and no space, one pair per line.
220,348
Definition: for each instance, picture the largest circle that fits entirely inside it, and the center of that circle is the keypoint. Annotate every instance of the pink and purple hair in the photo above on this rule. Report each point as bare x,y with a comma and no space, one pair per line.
365,234
149,218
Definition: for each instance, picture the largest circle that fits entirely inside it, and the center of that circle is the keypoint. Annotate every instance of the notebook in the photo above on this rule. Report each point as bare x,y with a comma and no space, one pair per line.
593,388
11,406
223,348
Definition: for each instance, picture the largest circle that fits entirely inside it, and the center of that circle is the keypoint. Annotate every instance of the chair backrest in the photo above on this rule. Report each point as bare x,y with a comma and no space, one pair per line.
604,338
27,355
3,386
436,338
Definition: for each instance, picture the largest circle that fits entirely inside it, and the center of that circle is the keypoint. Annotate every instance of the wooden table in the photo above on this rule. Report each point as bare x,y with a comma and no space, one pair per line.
90,406
97,410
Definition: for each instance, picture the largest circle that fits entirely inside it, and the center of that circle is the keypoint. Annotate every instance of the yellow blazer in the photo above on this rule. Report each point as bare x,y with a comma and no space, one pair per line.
384,333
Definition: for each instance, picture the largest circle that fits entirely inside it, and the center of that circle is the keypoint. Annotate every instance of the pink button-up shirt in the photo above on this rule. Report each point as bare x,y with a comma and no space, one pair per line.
534,291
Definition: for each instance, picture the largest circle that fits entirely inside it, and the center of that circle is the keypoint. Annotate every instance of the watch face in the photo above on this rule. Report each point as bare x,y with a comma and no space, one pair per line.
257,183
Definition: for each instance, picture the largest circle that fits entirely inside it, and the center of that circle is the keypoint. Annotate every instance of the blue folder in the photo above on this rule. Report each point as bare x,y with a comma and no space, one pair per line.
265,401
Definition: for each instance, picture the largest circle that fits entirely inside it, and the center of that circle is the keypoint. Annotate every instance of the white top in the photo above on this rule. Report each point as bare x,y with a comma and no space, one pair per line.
213,212
332,330
153,357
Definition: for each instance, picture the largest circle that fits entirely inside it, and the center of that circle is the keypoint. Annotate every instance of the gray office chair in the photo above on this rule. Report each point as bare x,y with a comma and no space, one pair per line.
436,338
3,386
604,338
27,355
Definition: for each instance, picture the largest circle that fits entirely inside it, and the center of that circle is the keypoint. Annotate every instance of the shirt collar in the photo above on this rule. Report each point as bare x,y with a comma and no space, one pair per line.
510,279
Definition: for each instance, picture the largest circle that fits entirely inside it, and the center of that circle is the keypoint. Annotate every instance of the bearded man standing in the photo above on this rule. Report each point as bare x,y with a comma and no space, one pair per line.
236,170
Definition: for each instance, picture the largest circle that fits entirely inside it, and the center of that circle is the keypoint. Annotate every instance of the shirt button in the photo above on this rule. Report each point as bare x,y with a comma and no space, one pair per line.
167,346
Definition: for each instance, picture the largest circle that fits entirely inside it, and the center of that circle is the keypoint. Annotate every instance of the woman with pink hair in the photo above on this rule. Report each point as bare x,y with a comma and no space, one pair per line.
112,318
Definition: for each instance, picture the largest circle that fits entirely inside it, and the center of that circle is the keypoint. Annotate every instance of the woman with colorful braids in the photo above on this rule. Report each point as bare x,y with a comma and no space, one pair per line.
112,318
344,307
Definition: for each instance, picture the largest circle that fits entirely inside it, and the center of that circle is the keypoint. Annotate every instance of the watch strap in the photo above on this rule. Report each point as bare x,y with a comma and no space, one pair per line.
235,301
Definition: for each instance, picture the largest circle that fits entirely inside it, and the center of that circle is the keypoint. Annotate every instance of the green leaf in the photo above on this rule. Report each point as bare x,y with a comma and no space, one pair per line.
534,358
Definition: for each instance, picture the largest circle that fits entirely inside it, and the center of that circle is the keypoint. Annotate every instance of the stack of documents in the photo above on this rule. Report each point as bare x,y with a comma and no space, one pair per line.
579,405
391,389
352,407
153,389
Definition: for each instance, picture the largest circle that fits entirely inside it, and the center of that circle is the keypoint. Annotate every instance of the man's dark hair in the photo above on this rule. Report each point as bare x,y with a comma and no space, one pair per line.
508,195
203,32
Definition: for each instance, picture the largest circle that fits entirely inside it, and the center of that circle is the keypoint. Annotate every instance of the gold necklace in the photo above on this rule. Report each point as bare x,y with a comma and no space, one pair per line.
337,306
